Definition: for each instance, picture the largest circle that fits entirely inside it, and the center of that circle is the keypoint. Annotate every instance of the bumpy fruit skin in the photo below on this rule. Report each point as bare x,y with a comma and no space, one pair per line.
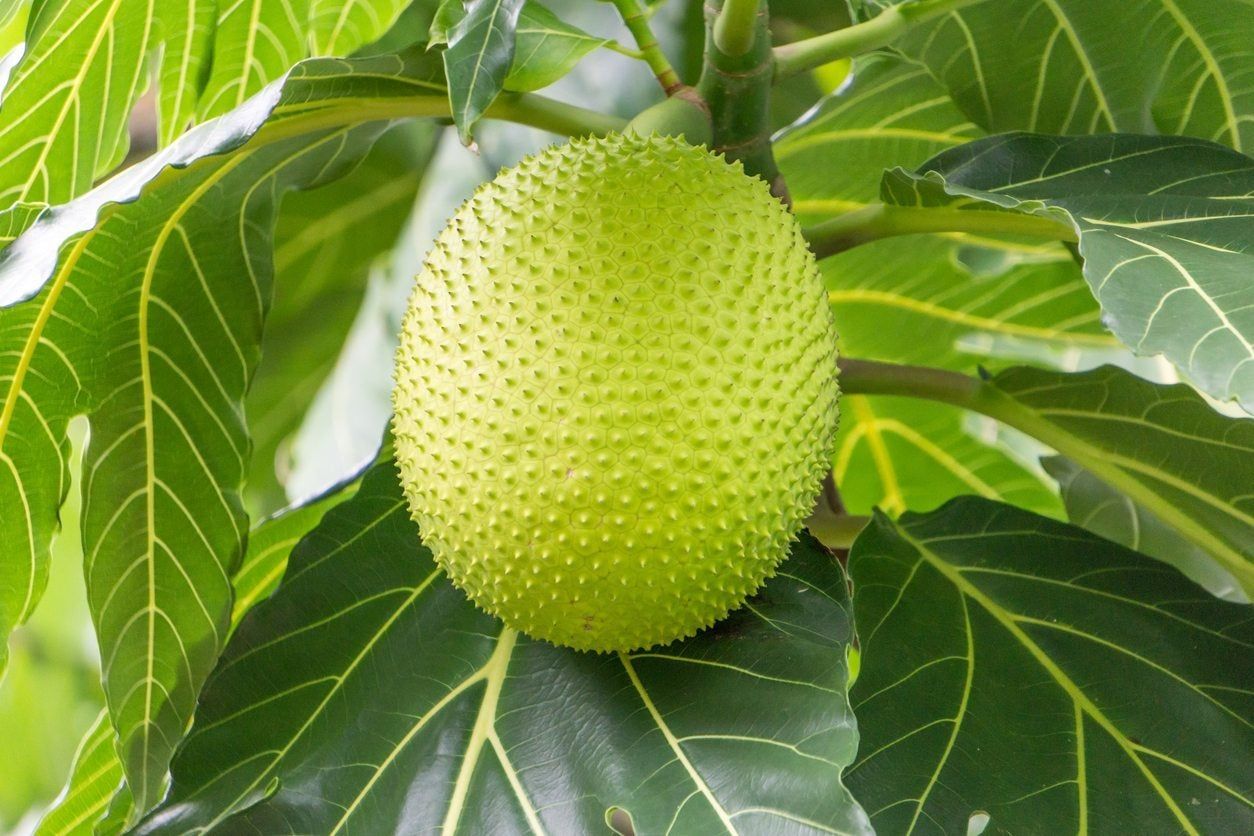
615,392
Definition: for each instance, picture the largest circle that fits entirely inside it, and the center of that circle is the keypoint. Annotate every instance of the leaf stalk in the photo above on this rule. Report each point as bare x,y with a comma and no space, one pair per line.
879,31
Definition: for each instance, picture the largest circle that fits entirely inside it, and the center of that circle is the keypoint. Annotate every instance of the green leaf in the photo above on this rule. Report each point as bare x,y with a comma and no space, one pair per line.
271,542
1078,66
94,778
338,27
488,731
185,29
93,784
546,48
1161,446
163,523
1026,670
1164,226
256,41
1094,505
326,242
64,111
477,60
954,300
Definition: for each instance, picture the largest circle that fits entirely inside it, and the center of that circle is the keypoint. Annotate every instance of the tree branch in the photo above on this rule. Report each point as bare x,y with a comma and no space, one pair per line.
879,31
879,220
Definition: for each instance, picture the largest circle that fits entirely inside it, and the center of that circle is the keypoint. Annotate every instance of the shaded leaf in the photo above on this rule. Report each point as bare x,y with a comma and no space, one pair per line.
1079,66
1094,505
1054,681
1161,446
477,60
123,330
1165,232
463,724
326,240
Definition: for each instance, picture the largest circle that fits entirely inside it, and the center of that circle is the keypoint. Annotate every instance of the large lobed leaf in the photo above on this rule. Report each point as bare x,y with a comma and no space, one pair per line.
1030,675
1093,66
462,724
954,300
1165,228
150,323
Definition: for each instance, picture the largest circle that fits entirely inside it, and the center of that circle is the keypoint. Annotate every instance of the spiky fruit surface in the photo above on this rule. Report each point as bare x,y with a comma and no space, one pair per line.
616,392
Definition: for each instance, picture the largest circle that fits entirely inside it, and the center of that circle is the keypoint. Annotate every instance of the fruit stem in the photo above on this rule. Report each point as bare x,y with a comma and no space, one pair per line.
736,26
738,90
879,31
879,220
836,531
635,15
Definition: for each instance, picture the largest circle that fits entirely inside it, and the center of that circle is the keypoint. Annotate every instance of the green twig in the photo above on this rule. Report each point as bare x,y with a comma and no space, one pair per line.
879,220
552,115
879,31
736,26
635,15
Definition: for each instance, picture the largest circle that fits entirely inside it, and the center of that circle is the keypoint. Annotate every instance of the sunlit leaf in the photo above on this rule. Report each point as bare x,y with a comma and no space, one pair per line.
1165,231
94,778
117,331
462,724
338,27
1055,682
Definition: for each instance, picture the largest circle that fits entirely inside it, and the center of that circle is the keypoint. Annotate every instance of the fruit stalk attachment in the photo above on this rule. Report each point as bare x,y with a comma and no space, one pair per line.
635,17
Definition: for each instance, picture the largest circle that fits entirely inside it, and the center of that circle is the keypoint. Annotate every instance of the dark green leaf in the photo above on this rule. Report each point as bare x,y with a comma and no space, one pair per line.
119,333
1165,231
1054,681
1094,505
1090,66
463,724
477,60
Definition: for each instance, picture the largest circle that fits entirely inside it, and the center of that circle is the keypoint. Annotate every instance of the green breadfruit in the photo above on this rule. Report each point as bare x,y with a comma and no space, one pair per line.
616,392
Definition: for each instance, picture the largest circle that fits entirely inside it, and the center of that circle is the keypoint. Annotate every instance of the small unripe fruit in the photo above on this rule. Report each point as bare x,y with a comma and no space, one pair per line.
615,392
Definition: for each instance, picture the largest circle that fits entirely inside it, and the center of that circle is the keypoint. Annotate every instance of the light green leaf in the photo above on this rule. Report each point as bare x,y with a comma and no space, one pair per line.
490,732
1055,682
954,300
338,27
477,60
326,241
1166,230
1092,66
64,110
256,41
545,46
163,523
185,28
1094,505
546,49
94,778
